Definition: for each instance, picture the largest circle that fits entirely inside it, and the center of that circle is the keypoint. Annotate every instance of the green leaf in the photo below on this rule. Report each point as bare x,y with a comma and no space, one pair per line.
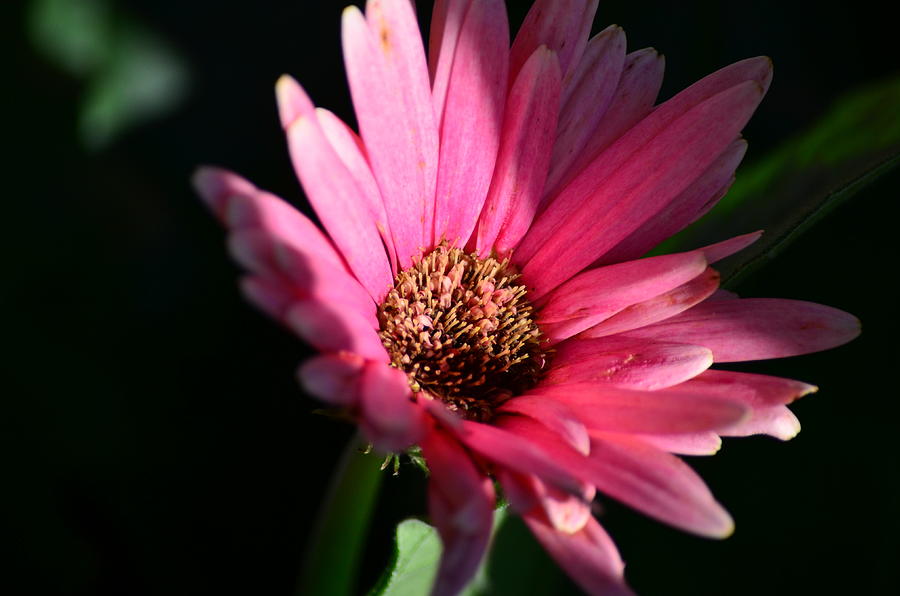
790,189
414,566
131,75
335,550
417,555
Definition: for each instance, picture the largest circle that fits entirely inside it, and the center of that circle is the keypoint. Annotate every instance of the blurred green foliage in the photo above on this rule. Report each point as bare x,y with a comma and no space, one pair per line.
130,74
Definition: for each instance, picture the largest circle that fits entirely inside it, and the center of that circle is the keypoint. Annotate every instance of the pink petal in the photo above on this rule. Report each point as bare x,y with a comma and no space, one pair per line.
332,327
690,205
471,122
639,84
389,417
627,469
461,503
658,308
518,453
704,443
561,25
293,102
385,64
333,378
726,248
633,188
447,20
666,411
627,364
765,395
641,136
352,153
240,205
335,195
556,416
756,328
589,556
658,484
587,97
528,131
600,293
303,274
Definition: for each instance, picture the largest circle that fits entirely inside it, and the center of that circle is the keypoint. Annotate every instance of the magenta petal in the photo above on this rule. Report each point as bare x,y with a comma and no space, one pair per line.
589,556
598,294
627,364
587,97
392,97
517,453
658,308
389,417
528,131
614,197
690,205
561,25
333,378
471,122
666,411
335,195
461,503
756,328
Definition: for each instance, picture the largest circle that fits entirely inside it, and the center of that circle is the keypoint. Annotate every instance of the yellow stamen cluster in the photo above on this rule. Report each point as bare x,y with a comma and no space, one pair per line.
462,329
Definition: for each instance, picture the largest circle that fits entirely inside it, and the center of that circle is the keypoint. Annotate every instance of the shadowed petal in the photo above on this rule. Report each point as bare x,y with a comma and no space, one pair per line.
588,96
528,131
631,471
333,378
639,84
471,122
756,328
390,419
517,453
636,190
332,327
692,128
461,503
561,25
388,77
589,556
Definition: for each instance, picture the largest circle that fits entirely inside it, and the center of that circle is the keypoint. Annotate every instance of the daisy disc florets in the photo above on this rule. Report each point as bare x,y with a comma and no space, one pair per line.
463,330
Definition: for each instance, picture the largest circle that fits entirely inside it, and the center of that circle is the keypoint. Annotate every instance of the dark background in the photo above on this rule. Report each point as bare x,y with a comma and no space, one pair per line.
154,441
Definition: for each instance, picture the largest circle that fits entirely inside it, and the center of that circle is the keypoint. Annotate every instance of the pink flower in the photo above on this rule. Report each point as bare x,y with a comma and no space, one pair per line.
480,290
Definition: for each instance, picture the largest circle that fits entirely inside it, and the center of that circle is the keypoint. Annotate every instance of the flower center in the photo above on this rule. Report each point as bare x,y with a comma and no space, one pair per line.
463,331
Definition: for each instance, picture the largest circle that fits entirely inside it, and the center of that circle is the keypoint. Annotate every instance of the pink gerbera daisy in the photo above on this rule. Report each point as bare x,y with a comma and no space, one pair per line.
480,291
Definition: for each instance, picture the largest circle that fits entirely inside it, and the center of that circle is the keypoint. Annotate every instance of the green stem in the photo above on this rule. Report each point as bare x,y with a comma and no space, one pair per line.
335,548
